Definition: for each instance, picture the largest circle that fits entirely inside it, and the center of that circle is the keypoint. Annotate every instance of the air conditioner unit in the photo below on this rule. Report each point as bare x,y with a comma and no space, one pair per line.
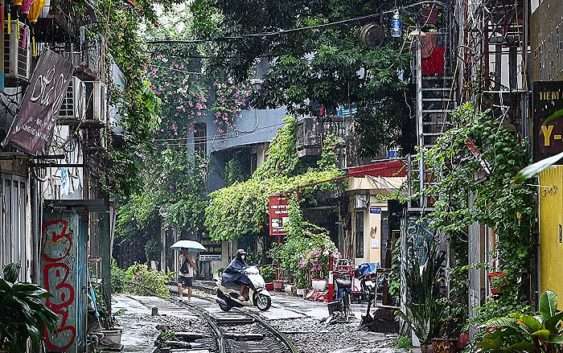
17,50
100,100
74,104
361,201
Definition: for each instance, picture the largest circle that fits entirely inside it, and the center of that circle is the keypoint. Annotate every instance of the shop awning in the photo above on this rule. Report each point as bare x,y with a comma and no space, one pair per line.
385,168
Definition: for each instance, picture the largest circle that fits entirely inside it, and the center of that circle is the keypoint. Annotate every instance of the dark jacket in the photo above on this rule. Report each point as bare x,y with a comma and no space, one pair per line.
234,273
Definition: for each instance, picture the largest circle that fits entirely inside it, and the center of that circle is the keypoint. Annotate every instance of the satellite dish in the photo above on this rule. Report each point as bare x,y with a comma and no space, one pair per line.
372,35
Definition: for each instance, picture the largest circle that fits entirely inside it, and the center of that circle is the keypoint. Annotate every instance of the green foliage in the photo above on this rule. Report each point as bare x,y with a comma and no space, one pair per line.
241,209
423,312
139,108
305,249
497,202
23,314
524,332
141,280
233,172
267,271
167,335
403,342
173,187
282,155
342,71
118,279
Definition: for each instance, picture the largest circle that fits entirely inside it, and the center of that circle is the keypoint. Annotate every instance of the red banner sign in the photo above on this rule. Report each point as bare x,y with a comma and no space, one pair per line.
277,211
32,128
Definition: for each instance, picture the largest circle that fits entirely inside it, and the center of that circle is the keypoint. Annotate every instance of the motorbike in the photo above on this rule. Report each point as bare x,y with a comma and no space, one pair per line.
228,294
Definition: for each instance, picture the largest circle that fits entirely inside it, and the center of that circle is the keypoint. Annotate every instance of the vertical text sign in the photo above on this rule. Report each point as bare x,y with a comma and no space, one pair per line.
548,118
58,272
277,212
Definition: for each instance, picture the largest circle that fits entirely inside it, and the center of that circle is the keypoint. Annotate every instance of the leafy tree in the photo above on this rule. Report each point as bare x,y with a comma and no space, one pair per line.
327,67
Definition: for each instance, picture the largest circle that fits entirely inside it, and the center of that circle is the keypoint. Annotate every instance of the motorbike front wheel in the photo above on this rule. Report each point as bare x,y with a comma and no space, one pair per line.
263,302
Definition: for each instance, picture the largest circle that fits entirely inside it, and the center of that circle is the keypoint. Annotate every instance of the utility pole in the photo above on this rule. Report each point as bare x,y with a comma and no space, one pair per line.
419,120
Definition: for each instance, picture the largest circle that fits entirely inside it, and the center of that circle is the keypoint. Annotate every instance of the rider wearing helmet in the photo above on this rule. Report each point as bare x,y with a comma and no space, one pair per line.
235,272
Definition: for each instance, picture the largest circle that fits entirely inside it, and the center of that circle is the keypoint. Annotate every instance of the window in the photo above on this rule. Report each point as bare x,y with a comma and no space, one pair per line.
13,223
200,139
359,234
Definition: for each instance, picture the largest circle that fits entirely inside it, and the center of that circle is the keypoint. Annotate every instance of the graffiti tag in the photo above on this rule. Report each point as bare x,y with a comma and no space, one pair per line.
57,271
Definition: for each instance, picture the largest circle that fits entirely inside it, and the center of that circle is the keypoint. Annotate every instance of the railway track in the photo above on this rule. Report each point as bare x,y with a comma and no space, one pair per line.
240,331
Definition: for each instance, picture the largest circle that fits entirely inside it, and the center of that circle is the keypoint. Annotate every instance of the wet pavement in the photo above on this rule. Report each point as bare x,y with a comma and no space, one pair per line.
134,314
300,319
139,327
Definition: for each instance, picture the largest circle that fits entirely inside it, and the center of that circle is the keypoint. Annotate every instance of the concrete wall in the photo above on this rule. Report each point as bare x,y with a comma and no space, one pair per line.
374,211
551,230
251,127
546,27
372,219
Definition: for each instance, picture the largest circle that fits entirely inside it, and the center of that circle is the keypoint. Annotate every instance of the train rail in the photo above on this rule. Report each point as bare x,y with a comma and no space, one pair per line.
239,330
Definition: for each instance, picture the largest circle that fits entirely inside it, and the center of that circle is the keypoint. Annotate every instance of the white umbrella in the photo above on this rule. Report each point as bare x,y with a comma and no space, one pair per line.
188,244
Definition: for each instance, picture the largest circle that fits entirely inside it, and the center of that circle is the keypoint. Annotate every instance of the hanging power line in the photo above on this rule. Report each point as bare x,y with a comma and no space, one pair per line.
195,140
177,70
294,30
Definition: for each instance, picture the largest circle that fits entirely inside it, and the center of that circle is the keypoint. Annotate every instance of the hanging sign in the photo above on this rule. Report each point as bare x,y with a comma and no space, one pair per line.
278,215
32,128
548,118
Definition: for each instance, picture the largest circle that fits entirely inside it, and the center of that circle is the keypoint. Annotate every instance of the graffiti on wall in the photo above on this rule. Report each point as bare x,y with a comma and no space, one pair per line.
58,273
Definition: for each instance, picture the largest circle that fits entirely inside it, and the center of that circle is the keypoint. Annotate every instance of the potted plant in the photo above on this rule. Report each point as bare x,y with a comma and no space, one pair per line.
23,315
451,327
267,272
423,312
497,281
526,332
301,283
319,284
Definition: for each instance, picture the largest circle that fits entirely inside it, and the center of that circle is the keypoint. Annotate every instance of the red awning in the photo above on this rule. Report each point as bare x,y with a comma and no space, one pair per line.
387,168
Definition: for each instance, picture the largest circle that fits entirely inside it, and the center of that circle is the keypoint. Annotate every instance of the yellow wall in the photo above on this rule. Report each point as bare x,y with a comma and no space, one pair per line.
551,222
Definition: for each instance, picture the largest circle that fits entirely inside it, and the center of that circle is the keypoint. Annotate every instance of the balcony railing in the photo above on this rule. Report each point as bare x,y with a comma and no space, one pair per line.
312,132
87,59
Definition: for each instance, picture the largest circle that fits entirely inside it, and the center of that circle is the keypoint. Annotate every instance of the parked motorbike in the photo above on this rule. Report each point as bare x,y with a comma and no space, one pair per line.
228,294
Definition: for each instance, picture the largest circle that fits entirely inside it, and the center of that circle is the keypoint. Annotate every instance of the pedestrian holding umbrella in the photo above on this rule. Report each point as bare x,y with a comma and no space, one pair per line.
187,265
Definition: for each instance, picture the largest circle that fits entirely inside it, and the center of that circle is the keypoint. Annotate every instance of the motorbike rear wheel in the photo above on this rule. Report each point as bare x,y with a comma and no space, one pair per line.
263,302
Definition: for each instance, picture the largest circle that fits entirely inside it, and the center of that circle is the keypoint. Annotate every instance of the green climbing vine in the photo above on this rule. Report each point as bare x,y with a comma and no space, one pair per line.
477,187
241,209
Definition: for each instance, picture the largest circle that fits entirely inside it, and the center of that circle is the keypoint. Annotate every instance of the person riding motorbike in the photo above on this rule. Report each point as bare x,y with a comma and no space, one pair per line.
234,273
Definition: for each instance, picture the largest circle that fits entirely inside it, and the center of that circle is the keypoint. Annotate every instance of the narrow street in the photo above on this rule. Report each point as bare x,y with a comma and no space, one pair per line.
327,176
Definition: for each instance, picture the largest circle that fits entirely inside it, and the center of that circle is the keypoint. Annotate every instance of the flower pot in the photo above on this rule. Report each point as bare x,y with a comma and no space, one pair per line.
462,341
444,345
301,292
270,286
111,337
278,285
319,284
288,288
495,289
426,348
